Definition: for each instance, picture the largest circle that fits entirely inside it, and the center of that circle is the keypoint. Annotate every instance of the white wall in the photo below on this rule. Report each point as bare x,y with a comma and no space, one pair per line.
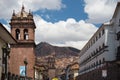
109,40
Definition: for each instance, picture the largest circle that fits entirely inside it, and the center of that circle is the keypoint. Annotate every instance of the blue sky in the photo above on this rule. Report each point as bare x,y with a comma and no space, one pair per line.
72,9
62,22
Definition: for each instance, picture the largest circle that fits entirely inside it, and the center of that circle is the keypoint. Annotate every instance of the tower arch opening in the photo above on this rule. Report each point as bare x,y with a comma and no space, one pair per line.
26,36
17,34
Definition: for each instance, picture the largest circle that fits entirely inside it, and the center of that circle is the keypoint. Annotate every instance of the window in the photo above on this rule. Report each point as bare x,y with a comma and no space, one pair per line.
96,63
103,31
91,43
103,60
89,56
17,34
93,40
99,35
25,34
99,61
103,45
118,35
99,48
96,50
3,56
119,22
92,54
96,38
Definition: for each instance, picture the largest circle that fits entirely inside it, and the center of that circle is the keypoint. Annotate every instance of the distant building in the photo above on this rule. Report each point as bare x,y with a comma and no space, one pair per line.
23,30
5,39
72,71
100,57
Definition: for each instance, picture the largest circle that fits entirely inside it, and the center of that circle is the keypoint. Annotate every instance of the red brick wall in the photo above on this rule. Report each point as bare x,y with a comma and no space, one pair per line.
17,56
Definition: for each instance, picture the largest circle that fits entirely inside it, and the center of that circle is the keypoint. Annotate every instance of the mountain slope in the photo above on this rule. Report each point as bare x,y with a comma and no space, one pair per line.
44,49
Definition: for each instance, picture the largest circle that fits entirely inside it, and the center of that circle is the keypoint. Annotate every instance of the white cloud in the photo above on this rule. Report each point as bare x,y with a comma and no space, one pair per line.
100,11
43,4
6,7
69,32
66,33
76,44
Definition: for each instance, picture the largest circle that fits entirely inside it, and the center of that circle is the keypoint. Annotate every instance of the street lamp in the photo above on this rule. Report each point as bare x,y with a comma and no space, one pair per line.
67,72
25,62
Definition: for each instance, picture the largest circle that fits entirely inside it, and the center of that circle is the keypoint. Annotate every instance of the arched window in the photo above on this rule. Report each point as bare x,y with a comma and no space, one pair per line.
25,34
17,34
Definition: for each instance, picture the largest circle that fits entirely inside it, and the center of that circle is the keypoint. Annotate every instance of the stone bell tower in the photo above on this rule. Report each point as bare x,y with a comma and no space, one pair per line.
23,30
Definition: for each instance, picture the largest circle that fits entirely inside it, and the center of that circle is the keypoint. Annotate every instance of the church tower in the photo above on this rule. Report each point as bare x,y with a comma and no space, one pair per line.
22,55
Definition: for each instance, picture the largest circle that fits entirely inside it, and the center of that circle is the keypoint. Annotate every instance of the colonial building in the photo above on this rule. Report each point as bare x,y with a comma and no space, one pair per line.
22,55
72,71
100,57
5,39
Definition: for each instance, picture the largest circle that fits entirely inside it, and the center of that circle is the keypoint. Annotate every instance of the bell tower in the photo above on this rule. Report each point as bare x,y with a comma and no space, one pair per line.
23,30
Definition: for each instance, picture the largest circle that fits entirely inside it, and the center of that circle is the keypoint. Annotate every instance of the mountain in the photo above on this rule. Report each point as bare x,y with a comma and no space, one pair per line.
63,56
44,49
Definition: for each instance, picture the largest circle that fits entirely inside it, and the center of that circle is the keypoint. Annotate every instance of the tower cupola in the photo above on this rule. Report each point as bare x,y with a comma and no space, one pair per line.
22,26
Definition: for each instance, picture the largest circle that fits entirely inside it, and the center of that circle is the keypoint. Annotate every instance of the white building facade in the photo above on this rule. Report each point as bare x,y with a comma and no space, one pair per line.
102,48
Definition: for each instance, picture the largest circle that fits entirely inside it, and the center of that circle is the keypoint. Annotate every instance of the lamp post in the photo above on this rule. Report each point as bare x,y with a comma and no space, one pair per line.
25,62
67,72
